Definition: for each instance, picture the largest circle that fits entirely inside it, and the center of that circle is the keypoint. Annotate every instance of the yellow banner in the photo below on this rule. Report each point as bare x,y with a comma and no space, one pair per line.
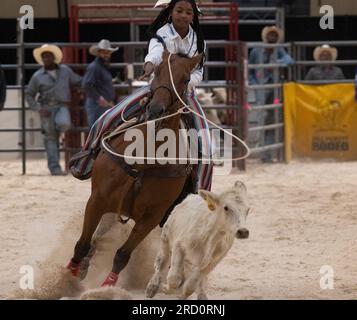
320,121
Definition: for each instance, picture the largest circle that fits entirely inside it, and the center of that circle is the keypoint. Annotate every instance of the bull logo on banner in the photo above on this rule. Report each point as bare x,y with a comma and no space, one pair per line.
328,117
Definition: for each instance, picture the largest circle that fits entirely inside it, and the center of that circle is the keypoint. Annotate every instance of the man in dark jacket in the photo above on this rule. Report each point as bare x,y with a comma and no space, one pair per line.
97,82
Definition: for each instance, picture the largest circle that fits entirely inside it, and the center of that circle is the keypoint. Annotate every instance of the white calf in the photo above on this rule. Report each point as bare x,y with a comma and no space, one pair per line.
219,96
197,235
205,99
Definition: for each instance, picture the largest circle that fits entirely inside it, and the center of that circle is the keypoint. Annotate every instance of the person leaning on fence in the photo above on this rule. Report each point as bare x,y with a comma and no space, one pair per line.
97,82
2,88
52,85
259,55
325,71
178,30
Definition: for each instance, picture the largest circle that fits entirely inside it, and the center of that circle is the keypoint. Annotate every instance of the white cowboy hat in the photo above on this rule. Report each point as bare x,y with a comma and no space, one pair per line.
167,2
56,51
325,47
162,3
103,44
269,29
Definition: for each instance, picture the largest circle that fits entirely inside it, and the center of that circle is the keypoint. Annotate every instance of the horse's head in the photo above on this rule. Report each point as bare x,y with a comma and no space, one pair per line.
163,98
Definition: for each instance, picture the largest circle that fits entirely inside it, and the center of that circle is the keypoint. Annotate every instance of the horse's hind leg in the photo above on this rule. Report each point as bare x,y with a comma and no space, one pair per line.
95,208
141,229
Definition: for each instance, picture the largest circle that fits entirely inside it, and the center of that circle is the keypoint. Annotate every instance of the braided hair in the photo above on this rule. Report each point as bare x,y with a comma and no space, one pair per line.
164,18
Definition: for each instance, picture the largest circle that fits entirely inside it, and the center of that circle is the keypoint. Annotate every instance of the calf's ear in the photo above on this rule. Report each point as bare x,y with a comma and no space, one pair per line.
211,199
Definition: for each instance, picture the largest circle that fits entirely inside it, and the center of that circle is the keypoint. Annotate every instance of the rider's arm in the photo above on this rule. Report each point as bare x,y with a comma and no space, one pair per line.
156,50
196,77
197,73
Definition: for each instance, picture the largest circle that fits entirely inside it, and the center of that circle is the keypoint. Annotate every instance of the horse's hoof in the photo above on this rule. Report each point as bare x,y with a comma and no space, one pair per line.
74,268
111,280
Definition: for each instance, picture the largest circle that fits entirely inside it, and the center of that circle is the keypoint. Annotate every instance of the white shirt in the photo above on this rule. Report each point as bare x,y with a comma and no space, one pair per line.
175,44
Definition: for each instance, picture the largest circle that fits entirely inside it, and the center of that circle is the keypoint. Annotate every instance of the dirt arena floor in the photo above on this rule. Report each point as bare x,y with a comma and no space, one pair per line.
304,217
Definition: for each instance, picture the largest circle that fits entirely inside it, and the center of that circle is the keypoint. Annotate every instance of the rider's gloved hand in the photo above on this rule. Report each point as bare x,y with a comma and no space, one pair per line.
148,70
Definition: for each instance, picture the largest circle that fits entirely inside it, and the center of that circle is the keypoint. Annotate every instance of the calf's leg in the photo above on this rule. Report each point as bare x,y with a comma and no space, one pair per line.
175,275
161,263
201,289
191,283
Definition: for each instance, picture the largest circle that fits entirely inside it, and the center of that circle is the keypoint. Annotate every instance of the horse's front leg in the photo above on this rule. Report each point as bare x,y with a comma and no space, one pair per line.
94,211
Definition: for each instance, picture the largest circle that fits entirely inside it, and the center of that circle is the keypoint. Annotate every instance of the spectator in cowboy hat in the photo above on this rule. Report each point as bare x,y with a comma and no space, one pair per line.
97,82
52,83
259,55
325,71
262,76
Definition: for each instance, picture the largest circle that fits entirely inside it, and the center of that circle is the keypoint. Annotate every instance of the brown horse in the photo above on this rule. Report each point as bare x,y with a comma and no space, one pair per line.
143,192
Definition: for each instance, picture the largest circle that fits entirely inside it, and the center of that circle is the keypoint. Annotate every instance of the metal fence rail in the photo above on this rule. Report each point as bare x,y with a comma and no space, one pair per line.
258,109
23,67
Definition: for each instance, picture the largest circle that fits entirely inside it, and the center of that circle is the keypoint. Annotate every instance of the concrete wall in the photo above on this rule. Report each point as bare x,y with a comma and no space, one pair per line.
49,8
10,119
42,9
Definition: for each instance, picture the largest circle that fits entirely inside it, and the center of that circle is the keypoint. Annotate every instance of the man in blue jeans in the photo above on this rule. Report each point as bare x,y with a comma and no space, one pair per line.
259,55
52,85
97,82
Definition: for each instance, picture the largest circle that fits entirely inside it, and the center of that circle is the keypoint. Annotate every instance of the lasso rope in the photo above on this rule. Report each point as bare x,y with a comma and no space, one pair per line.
179,111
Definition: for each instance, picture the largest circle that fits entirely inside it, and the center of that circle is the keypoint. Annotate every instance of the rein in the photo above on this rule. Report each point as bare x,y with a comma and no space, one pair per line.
173,98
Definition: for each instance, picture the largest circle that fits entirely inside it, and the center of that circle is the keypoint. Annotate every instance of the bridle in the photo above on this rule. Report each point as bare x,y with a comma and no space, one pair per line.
172,95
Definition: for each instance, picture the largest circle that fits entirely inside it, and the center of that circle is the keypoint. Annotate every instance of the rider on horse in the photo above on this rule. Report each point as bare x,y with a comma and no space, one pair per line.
176,29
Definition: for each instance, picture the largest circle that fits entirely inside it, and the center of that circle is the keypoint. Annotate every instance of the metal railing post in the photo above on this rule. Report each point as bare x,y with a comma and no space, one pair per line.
21,81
